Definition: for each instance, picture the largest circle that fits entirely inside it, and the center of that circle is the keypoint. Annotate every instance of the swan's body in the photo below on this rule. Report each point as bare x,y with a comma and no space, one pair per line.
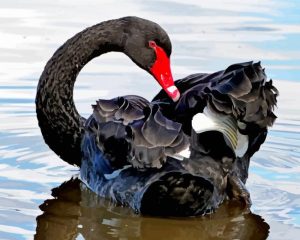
130,149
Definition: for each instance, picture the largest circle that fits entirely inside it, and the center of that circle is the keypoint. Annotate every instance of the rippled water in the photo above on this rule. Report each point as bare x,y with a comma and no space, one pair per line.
207,36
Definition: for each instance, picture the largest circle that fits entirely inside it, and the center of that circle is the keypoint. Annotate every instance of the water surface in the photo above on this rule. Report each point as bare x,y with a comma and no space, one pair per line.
207,36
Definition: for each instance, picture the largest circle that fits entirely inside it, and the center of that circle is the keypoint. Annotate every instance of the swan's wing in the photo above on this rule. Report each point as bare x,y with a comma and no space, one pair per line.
241,90
131,130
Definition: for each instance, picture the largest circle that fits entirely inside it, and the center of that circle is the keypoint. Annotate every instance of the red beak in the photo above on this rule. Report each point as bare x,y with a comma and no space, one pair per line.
161,70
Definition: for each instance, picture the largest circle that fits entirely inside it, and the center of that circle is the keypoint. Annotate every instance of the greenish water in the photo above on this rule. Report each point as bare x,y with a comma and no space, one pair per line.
207,36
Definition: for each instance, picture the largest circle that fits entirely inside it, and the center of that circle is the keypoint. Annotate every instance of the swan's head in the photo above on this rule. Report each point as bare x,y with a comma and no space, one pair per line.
149,46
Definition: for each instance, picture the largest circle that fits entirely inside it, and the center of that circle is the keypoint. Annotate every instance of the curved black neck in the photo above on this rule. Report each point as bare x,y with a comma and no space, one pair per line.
60,123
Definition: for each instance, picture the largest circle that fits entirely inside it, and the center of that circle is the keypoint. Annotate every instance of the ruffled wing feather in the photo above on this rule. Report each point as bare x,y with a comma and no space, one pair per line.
138,128
241,90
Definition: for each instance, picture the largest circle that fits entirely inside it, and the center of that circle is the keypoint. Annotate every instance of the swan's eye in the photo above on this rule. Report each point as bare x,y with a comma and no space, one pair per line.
152,44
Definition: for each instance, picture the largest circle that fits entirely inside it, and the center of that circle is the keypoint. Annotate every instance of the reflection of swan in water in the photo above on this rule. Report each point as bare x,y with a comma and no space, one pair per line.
76,211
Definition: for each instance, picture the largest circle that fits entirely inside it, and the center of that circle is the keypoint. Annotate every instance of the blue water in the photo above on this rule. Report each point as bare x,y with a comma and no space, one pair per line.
207,36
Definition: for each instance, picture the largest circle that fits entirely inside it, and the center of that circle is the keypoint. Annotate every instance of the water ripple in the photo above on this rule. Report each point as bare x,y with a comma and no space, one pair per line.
207,36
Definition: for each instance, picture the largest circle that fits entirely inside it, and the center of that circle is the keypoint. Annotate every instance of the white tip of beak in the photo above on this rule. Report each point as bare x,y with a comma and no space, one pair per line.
173,92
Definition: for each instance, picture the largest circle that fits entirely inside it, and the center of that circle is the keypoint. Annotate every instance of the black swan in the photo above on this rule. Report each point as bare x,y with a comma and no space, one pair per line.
181,154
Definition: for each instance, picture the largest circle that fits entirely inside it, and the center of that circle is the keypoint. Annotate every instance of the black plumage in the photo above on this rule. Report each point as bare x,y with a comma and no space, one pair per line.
127,149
